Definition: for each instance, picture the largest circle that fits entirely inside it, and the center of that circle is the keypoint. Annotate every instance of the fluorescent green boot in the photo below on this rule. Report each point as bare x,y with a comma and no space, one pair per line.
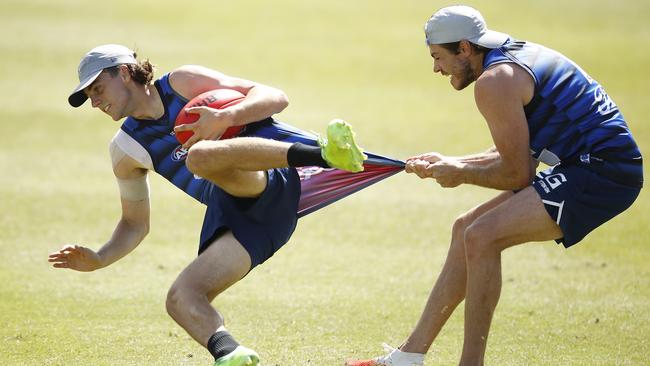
339,148
241,356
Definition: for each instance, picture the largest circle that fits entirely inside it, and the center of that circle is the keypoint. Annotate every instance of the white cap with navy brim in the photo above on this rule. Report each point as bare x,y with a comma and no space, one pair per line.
456,23
93,63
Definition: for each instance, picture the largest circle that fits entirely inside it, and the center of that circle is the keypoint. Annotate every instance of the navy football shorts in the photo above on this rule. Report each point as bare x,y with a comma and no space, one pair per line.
580,200
263,224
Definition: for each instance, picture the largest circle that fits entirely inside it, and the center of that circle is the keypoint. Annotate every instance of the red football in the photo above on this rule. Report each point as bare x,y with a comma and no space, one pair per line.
218,99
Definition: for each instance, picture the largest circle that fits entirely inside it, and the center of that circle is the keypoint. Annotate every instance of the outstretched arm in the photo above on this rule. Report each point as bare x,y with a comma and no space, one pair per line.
129,232
485,157
501,93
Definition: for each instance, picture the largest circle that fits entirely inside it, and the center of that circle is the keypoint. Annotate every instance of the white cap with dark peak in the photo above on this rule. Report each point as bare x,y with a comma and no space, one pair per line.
93,63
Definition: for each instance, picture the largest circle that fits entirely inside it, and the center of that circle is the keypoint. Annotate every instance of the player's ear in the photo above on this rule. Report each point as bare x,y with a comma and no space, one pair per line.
464,48
124,72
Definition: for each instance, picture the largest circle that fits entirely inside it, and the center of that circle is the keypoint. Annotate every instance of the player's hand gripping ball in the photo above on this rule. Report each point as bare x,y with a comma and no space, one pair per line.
217,99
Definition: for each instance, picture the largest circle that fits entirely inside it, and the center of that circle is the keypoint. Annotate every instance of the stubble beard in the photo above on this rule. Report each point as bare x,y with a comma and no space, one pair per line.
468,75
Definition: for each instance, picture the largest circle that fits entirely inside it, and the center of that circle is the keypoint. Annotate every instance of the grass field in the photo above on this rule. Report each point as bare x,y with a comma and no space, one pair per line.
355,274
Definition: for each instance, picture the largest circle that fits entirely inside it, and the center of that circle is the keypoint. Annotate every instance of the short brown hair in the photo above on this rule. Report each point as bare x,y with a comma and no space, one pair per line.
141,73
454,47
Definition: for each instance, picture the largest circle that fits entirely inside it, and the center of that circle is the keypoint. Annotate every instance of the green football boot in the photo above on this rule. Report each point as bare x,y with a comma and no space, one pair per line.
339,148
241,356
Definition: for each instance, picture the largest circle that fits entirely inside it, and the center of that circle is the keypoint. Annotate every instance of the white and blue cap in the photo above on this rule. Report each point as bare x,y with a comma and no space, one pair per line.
455,23
93,63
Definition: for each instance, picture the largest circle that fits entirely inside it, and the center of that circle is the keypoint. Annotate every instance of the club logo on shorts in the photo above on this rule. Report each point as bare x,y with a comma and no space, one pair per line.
555,180
551,181
179,154
306,172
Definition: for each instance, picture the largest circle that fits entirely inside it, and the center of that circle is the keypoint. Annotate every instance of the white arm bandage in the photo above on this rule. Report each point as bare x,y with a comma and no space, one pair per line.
134,189
131,189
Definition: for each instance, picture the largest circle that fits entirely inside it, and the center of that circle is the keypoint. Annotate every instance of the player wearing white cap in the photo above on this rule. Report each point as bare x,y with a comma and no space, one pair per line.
249,184
539,107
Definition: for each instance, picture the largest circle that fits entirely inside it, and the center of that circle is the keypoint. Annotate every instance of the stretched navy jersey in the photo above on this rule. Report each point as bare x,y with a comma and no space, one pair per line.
570,117
158,139
154,145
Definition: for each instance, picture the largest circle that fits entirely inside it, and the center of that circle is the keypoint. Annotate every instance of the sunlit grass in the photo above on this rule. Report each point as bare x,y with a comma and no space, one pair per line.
355,274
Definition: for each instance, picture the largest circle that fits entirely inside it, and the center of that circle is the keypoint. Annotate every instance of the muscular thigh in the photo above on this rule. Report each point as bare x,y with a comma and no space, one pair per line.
474,213
457,247
519,219
241,183
222,264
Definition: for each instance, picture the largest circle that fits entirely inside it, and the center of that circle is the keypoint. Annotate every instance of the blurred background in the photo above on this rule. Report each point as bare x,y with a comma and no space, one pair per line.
356,273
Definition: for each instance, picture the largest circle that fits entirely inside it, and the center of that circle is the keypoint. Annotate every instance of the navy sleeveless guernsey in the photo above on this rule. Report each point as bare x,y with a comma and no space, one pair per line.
262,225
570,118
157,137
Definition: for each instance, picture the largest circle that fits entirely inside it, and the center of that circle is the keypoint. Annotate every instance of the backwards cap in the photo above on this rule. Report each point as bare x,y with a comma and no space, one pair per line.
458,22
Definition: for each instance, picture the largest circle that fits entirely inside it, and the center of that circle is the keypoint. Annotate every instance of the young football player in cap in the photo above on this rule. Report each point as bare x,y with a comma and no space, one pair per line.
249,184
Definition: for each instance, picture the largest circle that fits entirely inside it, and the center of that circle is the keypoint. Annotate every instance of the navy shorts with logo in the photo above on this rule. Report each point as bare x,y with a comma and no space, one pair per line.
580,200
262,225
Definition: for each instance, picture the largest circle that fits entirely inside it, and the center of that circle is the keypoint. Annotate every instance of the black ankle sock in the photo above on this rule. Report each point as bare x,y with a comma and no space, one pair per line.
300,154
221,343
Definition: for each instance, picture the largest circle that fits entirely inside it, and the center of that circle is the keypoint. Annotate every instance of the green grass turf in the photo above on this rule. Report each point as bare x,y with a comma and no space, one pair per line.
356,273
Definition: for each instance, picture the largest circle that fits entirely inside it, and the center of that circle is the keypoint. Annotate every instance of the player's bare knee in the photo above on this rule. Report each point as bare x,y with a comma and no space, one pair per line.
477,242
205,158
459,227
172,301
178,299
456,247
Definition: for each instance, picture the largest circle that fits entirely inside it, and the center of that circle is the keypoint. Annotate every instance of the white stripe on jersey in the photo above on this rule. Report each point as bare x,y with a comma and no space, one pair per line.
122,143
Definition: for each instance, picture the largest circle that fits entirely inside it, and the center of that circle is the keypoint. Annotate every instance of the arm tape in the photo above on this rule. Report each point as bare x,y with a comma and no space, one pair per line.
134,189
